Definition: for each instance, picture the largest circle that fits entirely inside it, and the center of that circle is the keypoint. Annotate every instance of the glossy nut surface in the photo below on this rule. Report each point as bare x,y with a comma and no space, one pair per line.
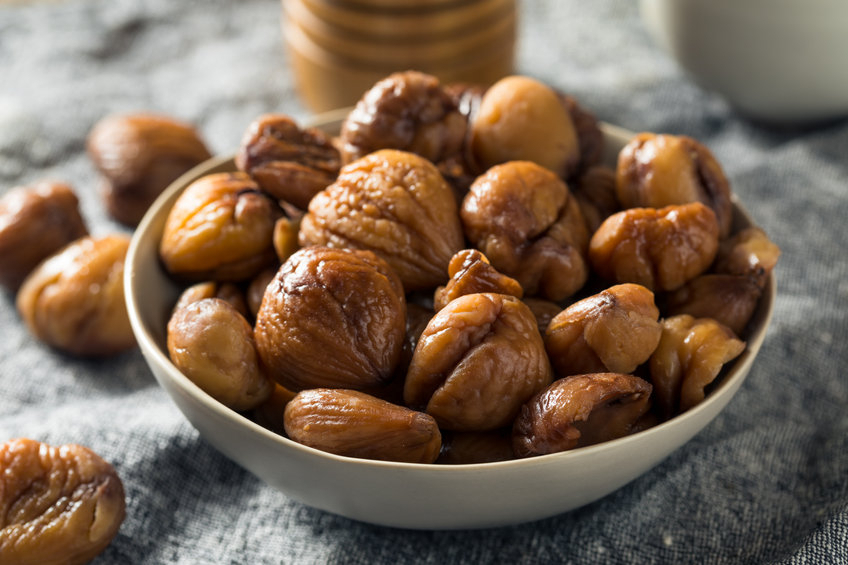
689,357
656,170
58,505
395,204
578,411
212,344
522,119
228,292
478,360
74,300
525,220
220,228
355,424
728,299
749,253
139,155
660,249
594,190
287,161
408,111
332,318
615,330
470,273
35,222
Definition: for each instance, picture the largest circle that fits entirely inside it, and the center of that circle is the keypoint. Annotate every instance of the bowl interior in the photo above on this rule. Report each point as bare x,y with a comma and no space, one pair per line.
403,494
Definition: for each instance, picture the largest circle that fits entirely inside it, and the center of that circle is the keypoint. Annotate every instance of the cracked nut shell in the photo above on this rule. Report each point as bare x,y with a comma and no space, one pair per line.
477,361
332,318
58,505
355,424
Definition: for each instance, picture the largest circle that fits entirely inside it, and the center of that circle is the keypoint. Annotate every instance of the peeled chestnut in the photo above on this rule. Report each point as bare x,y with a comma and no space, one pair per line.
212,344
220,228
615,330
660,249
139,155
332,318
287,161
470,272
749,253
578,411
729,299
395,204
524,219
522,119
227,292
409,111
477,361
58,504
355,424
35,222
690,355
74,300
656,170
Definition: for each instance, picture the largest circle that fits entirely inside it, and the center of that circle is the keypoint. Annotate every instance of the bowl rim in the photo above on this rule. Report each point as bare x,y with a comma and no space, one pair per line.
731,377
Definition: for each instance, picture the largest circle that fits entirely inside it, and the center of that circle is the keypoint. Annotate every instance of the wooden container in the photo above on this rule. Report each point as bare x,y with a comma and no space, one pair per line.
336,59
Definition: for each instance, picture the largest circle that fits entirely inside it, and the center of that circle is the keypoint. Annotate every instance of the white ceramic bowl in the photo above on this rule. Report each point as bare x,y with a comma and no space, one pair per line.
402,494
776,60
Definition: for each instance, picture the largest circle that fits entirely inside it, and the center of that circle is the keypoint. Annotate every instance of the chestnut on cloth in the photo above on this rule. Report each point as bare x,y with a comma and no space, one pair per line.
763,483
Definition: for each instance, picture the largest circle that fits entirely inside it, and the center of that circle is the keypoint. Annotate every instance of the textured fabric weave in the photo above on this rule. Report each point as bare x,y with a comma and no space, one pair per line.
766,482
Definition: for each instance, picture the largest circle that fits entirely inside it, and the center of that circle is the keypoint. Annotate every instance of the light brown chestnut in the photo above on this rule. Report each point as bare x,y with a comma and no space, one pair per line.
58,505
212,344
527,223
220,228
660,249
690,355
74,300
658,170
615,330
470,272
477,361
522,119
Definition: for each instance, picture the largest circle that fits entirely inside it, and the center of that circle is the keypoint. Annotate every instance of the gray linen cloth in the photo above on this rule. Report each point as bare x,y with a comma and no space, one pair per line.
766,482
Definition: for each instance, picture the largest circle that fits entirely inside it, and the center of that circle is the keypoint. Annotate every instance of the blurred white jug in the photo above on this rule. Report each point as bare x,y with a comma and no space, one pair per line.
775,60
